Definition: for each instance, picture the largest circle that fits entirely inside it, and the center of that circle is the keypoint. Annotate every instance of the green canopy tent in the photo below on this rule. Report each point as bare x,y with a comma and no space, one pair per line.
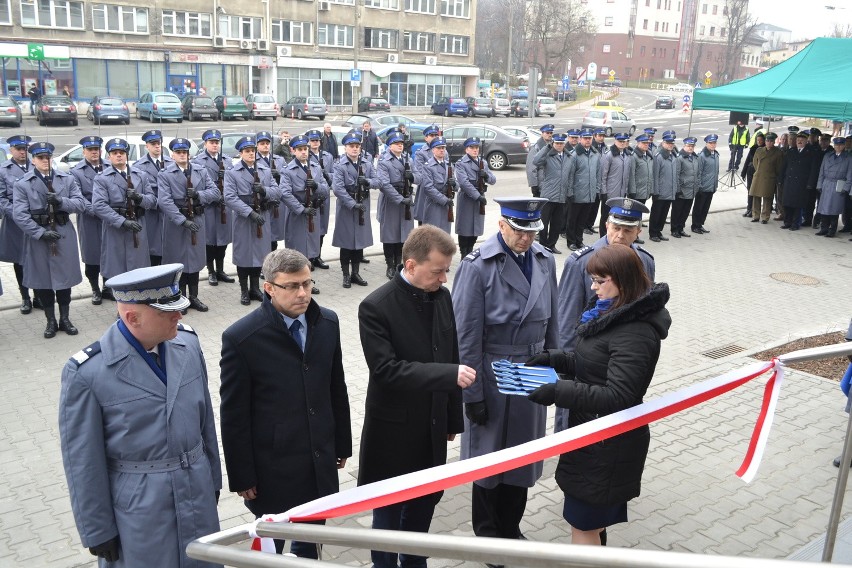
812,83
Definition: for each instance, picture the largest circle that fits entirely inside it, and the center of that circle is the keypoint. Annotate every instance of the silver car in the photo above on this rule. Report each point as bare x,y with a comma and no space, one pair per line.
69,158
501,106
303,107
10,112
261,106
610,120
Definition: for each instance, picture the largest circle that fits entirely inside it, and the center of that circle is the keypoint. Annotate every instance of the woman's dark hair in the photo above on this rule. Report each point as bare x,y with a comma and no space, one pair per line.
621,263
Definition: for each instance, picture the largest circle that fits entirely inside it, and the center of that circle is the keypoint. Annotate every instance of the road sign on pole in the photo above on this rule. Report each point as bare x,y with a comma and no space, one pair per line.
35,51
591,71
686,98
355,75
708,74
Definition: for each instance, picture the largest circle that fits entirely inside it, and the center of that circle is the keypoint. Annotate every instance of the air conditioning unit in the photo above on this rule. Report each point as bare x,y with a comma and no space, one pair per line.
246,44
219,41
431,60
324,6
393,58
263,45
283,51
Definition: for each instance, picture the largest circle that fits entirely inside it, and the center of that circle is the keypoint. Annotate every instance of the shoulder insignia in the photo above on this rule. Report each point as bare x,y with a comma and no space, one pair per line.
638,247
85,354
471,256
185,327
580,252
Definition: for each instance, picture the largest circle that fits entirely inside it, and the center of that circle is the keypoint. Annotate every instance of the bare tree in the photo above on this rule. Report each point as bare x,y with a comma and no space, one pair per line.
841,31
740,27
556,31
499,35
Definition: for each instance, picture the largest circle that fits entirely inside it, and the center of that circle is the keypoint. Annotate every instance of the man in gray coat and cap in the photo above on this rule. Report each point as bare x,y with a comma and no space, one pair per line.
533,171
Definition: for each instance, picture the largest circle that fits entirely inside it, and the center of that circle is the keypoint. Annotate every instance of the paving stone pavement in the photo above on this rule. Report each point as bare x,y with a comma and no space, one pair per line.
723,294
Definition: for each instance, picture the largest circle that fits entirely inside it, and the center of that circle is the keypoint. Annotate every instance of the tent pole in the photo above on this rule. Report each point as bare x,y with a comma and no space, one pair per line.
839,492
689,128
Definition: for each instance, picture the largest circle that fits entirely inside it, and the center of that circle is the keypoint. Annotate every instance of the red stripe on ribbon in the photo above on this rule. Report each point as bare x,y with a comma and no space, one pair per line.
758,427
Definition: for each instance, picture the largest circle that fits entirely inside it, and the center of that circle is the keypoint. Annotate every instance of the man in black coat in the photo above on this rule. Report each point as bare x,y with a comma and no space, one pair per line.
369,140
800,177
328,141
414,401
285,421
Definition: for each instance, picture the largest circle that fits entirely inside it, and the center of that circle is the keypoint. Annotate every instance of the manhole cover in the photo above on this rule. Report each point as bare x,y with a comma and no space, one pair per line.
723,351
793,278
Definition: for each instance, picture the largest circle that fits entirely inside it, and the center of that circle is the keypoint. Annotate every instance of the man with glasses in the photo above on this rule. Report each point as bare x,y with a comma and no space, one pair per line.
286,428
504,298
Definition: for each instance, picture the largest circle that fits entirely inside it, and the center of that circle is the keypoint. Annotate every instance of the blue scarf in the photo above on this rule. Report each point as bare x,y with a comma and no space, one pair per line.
600,307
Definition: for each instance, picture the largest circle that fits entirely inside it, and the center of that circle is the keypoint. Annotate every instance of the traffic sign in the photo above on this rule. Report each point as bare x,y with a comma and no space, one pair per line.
581,83
686,98
35,51
566,83
708,74
707,81
591,71
355,75
697,85
612,74
566,78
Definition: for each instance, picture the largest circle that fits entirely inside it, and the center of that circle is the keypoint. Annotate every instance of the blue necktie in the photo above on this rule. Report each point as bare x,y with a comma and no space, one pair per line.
294,331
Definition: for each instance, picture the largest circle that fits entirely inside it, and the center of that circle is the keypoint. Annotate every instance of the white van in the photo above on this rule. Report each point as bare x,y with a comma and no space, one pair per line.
545,105
500,106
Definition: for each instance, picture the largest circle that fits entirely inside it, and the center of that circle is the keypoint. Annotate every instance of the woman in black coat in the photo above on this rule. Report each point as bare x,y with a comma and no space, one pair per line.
609,371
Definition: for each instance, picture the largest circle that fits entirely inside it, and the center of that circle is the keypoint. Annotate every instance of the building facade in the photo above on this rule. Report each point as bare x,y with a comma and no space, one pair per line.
409,51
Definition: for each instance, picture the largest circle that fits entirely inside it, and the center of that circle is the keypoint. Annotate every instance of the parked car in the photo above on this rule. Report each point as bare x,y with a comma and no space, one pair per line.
415,130
499,147
681,87
610,120
565,95
10,112
665,101
378,120
303,107
768,117
104,109
5,149
261,106
69,158
608,105
519,107
500,106
448,106
56,108
545,105
478,106
195,107
231,107
372,104
159,105
531,134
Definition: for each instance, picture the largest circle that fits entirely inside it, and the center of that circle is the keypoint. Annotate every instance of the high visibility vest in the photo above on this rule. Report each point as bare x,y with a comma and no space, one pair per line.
754,136
743,138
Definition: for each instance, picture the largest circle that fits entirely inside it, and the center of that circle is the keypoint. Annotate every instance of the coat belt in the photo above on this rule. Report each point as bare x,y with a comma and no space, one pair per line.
528,349
183,461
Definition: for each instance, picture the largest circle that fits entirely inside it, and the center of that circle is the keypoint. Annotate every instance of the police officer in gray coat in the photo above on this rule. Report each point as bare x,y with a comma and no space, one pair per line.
275,164
423,155
138,432
584,182
471,173
90,225
249,193
437,187
184,194
505,302
642,179
834,184
11,236
665,187
121,197
326,162
41,204
554,165
533,172
152,164
708,182
687,179
218,225
616,172
396,200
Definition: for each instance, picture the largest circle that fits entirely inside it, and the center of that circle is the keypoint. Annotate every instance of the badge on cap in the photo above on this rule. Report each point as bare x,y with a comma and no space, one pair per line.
211,135
152,136
622,136
179,144
437,142
560,138
394,137
297,141
626,211
352,137
643,138
40,148
313,135
155,286
19,140
710,138
522,213
245,142
117,144
473,141
431,130
547,128
263,135
689,141
574,132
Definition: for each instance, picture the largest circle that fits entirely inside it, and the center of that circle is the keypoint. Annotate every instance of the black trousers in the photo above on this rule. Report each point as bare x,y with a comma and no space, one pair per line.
680,211
792,216
828,223
657,220
591,214
498,512
48,297
577,216
551,217
604,215
700,208
466,245
736,157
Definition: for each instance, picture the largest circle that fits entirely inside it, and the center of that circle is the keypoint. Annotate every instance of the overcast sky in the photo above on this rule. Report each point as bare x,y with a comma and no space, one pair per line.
807,19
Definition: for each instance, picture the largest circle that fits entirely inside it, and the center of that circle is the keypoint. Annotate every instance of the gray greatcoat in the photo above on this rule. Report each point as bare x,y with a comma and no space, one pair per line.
687,175
154,222
114,412
665,175
293,195
390,213
248,250
584,175
499,315
835,168
768,168
708,171
642,177
433,181
172,201
217,233
42,270
89,226
423,155
616,172
276,226
533,170
109,193
327,163
469,223
554,174
348,232
11,236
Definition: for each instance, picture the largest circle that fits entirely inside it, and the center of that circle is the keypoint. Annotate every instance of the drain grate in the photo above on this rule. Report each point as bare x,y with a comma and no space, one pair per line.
723,351
793,278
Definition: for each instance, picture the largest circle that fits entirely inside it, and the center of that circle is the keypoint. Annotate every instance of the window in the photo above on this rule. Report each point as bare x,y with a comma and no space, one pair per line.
648,3
349,2
656,26
240,27
52,13
292,32
608,21
715,9
190,24
384,4
455,8
381,39
642,50
455,44
712,31
5,11
676,25
666,27
419,41
336,35
701,30
644,24
421,6
607,48
704,8
723,32
653,52
119,19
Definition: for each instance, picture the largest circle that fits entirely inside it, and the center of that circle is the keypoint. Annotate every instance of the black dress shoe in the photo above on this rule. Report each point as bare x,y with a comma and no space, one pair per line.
764,222
26,306
365,260
655,239
245,299
222,277
255,294
822,233
574,247
639,242
356,279
588,231
794,228
662,238
755,220
68,327
747,214
314,290
703,230
676,235
683,234
106,294
390,272
212,279
785,226
830,235
347,282
97,300
320,263
555,250
197,304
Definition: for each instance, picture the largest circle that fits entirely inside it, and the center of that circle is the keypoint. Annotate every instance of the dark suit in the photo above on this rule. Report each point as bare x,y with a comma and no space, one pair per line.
413,402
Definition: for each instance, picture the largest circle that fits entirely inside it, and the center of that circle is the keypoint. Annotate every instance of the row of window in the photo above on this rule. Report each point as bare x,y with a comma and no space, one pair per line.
135,20
339,35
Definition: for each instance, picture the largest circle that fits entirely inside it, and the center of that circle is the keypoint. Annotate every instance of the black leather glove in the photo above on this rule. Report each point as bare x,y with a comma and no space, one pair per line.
545,394
107,550
409,175
257,218
363,181
311,184
129,225
310,211
452,182
560,361
50,236
483,173
53,199
359,207
135,197
407,201
536,191
192,226
540,360
731,147
483,200
476,412
258,188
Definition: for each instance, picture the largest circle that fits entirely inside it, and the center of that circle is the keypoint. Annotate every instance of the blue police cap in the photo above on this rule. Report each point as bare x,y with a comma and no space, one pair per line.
793,129
297,141
816,132
41,148
91,142
156,286
263,135
211,135
560,137
313,135
19,140
431,130
711,138
600,131
152,136
179,144
438,141
838,140
622,136
650,131
626,211
473,141
394,137
574,132
806,132
522,213
117,144
352,137
671,133
547,128
643,138
669,137
245,142
586,133
689,141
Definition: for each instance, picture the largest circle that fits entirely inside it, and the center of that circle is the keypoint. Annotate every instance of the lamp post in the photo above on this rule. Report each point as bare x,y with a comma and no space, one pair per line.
356,90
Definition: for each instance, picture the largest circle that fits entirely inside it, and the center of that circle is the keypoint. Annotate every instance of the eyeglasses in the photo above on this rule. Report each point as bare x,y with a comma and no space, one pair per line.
600,281
293,287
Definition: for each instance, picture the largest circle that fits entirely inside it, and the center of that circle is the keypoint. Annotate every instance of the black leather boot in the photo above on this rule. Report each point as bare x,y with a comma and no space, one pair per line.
244,291
254,288
347,281
26,303
390,270
97,299
106,294
194,302
52,327
65,323
212,277
356,278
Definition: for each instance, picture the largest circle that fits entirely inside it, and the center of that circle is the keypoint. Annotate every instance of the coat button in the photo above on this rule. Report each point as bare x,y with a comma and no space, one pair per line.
312,411
434,422
305,366
316,454
435,348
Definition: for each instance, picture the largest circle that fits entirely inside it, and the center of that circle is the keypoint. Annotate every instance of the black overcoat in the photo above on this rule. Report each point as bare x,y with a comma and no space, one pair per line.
800,177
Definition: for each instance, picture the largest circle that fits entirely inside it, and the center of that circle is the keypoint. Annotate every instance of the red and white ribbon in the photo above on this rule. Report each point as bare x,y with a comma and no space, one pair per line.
262,544
417,484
